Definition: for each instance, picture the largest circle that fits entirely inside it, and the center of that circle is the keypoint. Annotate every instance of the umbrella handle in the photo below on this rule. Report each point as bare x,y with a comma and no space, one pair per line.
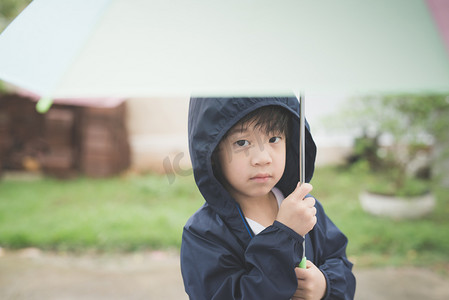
302,264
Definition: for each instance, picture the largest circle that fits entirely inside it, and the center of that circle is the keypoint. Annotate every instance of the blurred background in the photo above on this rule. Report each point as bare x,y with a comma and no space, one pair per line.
100,192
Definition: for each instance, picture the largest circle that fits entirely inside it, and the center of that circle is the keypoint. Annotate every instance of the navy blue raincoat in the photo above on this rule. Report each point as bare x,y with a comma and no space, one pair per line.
221,258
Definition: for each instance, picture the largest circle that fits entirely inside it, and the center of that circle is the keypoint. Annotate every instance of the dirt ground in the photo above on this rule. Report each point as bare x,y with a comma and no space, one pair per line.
32,274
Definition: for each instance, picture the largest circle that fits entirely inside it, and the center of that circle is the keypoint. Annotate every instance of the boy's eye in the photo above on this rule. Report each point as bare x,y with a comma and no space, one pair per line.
242,143
275,139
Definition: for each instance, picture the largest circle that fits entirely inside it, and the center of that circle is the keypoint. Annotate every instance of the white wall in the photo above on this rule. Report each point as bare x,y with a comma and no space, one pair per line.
158,130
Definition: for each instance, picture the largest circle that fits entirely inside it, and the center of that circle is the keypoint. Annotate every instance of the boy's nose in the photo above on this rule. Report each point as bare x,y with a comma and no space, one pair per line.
260,156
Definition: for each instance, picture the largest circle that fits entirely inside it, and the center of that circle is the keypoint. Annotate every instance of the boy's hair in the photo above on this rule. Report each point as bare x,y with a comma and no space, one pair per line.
270,119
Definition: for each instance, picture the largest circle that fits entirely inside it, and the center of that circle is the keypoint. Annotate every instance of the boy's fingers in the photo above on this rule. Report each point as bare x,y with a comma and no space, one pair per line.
302,190
300,273
309,264
310,201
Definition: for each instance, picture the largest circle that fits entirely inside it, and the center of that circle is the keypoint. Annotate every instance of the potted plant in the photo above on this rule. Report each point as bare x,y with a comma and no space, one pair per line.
399,134
397,188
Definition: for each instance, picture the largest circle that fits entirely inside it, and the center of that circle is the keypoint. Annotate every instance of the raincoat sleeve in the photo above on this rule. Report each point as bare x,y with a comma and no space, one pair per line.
213,267
330,257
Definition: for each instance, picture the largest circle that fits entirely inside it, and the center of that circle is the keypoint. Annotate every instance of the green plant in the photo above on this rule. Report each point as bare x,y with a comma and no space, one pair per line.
112,214
389,185
9,9
411,127
381,242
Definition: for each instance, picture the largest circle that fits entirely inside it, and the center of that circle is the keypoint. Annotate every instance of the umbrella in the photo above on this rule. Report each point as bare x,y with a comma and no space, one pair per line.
135,48
132,48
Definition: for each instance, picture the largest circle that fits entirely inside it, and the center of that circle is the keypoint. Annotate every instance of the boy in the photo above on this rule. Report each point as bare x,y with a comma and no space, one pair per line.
246,240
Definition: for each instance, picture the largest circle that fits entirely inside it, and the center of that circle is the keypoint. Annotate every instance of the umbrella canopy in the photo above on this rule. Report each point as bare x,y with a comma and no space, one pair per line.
134,48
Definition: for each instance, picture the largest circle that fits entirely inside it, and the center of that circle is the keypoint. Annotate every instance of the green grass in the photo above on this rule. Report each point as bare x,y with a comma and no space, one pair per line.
133,212
382,241
116,214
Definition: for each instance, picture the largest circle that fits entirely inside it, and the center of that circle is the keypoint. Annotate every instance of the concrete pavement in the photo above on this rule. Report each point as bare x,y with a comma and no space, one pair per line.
32,274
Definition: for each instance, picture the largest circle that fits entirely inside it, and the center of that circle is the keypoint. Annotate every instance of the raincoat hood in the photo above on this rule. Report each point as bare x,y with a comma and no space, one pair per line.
211,118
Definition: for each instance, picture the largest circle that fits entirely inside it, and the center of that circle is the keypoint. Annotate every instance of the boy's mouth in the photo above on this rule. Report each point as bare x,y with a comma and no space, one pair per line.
261,178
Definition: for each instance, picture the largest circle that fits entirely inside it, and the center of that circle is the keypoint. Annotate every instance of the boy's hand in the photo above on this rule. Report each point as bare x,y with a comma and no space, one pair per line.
311,283
298,213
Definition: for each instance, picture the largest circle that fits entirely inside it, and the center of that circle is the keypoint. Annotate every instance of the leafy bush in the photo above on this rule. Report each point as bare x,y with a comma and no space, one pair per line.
412,125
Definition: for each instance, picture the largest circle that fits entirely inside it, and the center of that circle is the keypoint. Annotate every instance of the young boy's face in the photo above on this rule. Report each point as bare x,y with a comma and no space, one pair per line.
252,161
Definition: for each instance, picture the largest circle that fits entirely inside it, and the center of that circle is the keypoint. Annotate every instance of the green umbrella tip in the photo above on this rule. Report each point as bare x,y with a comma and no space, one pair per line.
44,104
